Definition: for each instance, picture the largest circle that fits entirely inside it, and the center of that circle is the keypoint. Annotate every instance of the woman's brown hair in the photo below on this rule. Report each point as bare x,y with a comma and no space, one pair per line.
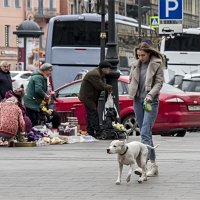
148,49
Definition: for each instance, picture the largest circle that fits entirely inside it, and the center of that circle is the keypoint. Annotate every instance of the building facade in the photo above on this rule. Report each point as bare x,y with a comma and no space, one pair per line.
14,12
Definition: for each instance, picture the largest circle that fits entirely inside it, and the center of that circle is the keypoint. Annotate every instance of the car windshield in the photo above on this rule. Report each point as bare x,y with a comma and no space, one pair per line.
176,80
191,85
170,89
73,89
70,90
13,74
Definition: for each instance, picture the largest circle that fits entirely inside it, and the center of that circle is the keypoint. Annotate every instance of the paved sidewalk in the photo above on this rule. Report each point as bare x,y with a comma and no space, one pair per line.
85,171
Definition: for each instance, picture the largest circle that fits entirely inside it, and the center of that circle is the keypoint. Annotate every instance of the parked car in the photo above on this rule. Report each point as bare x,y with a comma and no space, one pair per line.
83,72
178,111
176,81
20,78
190,83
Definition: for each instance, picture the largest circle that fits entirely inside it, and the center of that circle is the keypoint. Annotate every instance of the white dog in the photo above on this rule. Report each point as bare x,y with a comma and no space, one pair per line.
133,154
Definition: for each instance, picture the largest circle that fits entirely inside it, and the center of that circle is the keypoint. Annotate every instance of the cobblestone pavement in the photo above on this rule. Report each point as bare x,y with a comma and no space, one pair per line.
85,171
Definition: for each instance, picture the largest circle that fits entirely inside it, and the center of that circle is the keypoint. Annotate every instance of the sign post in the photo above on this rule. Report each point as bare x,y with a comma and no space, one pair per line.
171,9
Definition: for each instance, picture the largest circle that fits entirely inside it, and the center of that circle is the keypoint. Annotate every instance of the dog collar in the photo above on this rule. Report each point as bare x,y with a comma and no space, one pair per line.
124,151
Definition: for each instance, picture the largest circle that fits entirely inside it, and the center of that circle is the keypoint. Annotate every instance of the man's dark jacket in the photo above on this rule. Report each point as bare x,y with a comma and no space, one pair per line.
5,83
93,83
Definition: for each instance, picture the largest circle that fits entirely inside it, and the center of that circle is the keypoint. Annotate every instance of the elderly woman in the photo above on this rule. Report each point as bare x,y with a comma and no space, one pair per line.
11,118
19,93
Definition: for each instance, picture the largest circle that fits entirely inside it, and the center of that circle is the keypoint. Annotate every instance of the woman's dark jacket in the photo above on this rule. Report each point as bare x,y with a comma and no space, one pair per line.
35,91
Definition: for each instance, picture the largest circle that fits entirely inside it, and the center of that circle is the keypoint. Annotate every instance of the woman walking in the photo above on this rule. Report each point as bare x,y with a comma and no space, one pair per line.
146,80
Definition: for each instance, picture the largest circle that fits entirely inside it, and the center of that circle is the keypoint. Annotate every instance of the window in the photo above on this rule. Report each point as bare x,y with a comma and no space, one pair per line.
40,7
26,76
51,4
6,3
192,85
17,3
7,33
76,33
183,43
120,88
70,91
40,40
72,9
17,39
170,89
127,36
29,4
12,74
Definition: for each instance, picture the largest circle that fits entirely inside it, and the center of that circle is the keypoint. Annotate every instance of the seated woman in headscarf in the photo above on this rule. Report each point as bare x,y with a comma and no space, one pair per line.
19,93
11,118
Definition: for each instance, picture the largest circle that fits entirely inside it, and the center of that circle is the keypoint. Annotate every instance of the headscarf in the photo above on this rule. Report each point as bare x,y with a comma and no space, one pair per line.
12,100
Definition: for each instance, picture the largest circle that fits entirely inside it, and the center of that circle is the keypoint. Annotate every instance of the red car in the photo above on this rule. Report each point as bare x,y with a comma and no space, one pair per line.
178,111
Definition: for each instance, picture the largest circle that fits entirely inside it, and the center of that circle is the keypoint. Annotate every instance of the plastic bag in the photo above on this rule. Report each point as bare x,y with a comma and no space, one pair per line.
110,106
109,103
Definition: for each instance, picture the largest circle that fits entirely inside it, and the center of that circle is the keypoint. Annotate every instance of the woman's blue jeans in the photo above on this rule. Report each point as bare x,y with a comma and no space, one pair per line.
146,121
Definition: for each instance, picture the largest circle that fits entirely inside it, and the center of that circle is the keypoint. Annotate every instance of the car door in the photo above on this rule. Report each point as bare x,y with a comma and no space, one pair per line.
125,103
25,77
66,99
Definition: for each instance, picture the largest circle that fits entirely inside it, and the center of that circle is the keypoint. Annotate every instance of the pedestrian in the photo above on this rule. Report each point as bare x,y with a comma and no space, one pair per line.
11,118
146,80
19,93
93,84
5,79
36,92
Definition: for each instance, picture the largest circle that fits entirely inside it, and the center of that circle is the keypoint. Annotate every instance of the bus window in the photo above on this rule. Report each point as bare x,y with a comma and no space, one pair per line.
76,33
126,36
183,43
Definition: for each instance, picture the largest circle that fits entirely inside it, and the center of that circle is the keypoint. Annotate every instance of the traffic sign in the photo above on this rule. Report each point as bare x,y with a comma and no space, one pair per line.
171,9
170,29
154,21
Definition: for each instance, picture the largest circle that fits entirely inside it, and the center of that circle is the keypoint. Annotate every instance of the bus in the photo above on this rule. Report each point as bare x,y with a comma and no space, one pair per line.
182,52
73,43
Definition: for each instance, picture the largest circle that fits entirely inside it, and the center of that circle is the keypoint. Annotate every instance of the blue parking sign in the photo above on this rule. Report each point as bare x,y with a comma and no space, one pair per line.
171,9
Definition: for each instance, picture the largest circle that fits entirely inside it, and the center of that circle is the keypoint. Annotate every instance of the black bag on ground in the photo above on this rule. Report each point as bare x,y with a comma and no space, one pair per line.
107,130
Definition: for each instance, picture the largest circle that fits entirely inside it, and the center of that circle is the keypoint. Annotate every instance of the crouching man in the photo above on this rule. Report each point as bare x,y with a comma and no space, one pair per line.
92,85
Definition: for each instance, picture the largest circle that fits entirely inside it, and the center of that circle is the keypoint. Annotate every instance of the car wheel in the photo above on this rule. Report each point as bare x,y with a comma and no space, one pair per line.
180,133
131,125
166,134
175,134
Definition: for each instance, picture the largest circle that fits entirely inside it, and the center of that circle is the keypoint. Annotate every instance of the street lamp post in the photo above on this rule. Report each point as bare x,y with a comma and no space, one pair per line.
101,103
139,21
103,32
90,6
112,54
